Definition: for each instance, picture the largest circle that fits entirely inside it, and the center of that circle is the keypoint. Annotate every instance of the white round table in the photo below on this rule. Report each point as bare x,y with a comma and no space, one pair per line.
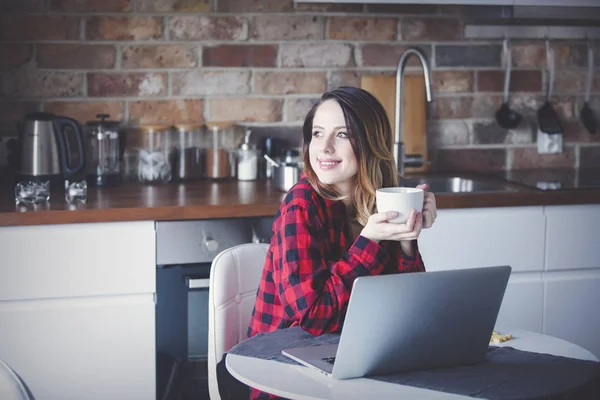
298,382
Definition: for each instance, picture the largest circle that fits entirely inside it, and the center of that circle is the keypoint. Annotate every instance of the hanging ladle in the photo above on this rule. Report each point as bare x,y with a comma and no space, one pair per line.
507,117
587,114
547,117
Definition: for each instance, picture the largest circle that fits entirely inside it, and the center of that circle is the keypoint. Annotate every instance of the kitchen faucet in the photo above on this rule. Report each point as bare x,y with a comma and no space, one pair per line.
402,159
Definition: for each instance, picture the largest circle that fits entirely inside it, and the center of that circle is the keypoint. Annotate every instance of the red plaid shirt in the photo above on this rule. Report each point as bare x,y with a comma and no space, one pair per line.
311,265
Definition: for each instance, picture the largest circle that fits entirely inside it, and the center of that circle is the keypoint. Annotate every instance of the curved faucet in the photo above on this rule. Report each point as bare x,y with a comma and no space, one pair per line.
399,156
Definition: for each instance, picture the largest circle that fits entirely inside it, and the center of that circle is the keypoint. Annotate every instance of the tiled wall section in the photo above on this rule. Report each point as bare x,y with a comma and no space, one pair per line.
265,61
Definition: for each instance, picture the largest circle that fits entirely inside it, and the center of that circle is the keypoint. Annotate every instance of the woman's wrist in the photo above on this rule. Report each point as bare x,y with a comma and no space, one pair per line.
407,247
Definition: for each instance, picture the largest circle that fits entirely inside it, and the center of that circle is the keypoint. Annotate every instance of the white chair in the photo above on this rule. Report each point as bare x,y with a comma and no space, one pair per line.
11,386
234,277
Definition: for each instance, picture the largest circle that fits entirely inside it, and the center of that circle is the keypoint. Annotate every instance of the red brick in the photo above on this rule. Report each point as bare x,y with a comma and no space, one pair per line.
570,81
84,111
452,81
453,107
245,109
124,28
38,27
199,83
23,6
174,5
82,6
363,28
528,157
41,84
289,82
344,78
520,81
14,55
476,159
447,133
534,54
126,84
239,6
166,111
75,56
278,27
14,111
159,56
296,109
208,28
575,132
316,54
431,29
240,56
589,157
387,55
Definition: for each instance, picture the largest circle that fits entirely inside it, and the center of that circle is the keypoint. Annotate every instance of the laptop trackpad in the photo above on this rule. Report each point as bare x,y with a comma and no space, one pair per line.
313,356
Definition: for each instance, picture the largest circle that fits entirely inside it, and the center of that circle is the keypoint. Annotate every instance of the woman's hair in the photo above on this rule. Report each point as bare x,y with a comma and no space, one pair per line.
371,138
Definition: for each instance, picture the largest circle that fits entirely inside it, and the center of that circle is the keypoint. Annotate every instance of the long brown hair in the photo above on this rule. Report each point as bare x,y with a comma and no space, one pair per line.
370,135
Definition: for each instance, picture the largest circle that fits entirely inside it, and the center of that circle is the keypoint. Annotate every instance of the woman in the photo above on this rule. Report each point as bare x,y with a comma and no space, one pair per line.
327,232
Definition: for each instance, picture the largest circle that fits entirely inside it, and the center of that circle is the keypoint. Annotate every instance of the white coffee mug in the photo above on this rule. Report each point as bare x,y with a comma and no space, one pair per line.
400,199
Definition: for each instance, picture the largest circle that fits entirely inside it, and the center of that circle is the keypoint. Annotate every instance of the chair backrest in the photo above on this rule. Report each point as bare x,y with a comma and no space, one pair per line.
234,278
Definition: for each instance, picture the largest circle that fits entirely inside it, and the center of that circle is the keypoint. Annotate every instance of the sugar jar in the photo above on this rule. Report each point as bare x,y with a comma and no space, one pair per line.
154,165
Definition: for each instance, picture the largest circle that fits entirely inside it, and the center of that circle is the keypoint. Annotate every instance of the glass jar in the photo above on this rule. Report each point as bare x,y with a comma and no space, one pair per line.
188,158
219,153
247,159
103,151
154,165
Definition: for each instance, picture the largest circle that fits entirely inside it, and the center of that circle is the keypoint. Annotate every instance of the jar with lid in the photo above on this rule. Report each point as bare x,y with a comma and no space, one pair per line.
219,153
247,159
103,150
189,152
154,165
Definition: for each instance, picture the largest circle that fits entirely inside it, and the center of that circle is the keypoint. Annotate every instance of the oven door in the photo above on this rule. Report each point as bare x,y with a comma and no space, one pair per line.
182,310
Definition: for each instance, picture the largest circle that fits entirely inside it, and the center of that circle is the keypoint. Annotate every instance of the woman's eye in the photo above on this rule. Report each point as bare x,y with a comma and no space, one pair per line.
343,134
316,133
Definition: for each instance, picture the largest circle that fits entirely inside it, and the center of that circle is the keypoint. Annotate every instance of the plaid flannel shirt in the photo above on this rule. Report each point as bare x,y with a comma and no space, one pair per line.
311,265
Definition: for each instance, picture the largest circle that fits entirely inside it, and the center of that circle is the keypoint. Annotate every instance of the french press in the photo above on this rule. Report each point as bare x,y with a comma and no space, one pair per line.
103,152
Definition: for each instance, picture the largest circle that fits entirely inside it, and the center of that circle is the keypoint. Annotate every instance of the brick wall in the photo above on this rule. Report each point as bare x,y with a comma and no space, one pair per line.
265,61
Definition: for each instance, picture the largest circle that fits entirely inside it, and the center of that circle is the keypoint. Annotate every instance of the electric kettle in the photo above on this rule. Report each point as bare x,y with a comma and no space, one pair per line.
46,148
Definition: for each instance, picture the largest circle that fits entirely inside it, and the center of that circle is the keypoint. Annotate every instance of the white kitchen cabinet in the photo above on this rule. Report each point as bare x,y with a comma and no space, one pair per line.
571,307
573,237
523,303
82,348
484,237
77,309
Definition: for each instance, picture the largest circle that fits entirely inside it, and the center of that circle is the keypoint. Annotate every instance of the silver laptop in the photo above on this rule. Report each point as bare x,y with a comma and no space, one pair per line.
415,321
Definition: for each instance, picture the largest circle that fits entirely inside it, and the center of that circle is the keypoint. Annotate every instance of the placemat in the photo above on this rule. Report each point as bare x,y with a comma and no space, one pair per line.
507,373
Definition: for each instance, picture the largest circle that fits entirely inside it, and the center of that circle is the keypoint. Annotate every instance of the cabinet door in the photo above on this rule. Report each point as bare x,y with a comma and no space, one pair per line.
573,237
522,305
571,307
480,237
82,348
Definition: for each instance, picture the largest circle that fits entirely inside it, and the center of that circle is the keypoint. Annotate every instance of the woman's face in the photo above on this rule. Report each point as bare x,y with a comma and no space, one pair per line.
330,152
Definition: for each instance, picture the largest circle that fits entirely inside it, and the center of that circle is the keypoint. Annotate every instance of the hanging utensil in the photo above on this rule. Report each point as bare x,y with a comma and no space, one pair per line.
505,116
587,114
547,118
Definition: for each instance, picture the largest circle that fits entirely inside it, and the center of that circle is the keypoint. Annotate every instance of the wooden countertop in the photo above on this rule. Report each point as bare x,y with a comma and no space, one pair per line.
205,200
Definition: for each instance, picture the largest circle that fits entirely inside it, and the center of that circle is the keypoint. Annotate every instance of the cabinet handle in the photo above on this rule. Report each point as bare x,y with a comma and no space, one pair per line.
198,283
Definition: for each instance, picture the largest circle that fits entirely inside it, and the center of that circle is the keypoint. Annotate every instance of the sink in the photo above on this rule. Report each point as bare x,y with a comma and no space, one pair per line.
457,184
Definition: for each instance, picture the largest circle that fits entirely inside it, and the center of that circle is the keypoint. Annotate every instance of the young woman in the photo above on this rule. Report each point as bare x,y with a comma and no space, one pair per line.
327,231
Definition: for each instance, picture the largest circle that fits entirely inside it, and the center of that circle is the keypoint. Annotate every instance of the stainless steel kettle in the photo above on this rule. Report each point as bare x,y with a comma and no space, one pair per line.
45,148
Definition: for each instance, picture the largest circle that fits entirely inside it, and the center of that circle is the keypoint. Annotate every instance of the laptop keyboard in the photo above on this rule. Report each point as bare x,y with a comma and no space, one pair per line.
330,360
